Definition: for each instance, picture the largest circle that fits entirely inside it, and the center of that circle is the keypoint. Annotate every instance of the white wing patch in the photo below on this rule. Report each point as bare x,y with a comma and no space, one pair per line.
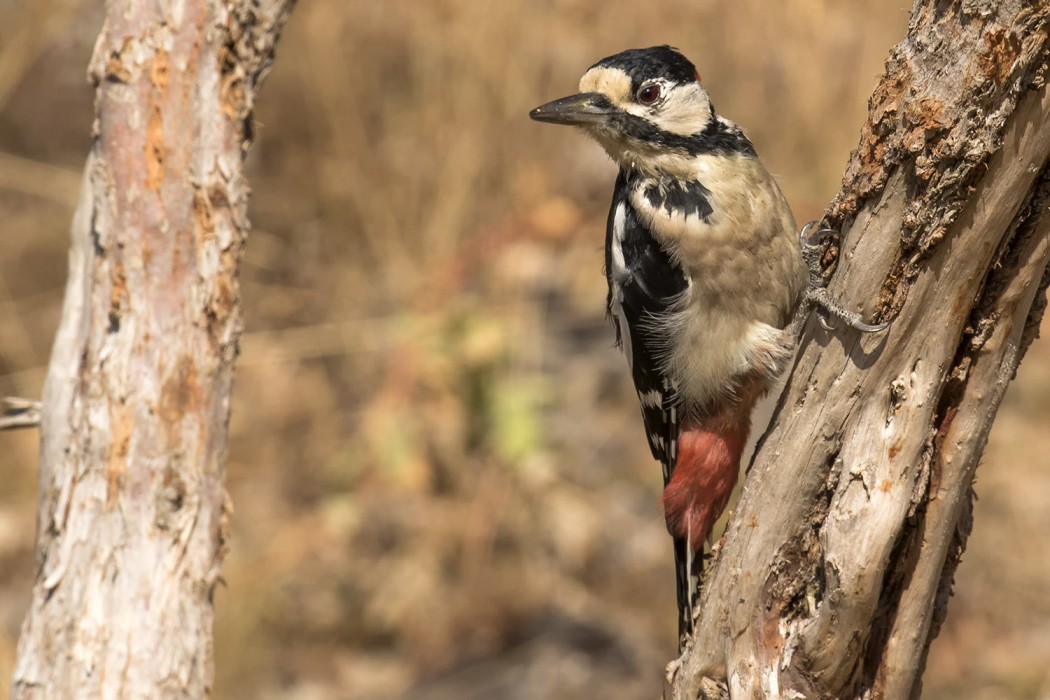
651,399
618,275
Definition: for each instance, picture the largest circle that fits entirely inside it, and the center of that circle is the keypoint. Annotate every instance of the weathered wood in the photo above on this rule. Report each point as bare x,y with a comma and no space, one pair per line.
133,514
835,569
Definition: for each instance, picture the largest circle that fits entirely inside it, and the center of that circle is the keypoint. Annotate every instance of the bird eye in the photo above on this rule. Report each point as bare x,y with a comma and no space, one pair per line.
649,94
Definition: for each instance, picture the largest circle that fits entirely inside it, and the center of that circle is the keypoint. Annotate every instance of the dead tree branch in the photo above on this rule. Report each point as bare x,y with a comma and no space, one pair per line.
133,514
834,574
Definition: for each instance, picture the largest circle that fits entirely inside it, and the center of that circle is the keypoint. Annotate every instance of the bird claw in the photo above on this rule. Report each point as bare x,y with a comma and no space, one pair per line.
822,317
828,308
804,239
870,327
818,296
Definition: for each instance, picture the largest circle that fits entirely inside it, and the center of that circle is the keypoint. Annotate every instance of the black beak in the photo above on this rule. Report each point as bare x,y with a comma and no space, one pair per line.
577,110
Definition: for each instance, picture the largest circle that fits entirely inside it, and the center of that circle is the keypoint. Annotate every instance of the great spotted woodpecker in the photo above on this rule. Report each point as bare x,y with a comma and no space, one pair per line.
705,275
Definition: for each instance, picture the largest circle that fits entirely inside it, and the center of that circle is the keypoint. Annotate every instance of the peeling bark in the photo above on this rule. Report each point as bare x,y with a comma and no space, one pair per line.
835,570
133,514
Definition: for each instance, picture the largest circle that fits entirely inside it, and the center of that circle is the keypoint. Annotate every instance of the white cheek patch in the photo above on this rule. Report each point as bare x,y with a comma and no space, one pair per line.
686,110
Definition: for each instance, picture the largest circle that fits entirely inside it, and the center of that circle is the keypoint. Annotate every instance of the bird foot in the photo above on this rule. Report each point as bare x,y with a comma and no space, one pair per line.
817,295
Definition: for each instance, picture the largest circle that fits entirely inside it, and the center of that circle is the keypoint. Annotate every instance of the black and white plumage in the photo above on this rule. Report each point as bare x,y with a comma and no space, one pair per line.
704,273
643,284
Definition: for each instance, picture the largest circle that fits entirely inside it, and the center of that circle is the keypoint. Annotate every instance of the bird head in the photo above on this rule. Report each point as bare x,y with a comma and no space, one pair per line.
641,105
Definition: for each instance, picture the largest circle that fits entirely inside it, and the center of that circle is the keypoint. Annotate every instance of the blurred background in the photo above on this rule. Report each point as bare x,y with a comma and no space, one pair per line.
441,484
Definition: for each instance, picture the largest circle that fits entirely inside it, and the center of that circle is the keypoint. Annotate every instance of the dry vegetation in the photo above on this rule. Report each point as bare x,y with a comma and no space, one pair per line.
441,483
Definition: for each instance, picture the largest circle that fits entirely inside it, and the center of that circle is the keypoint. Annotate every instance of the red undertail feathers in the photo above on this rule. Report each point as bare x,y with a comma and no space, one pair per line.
705,473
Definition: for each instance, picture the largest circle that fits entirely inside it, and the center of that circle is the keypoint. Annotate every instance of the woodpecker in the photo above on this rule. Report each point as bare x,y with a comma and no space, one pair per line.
705,274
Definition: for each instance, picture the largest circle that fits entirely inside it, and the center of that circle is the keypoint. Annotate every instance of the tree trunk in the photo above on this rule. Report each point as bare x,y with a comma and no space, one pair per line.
835,571
133,513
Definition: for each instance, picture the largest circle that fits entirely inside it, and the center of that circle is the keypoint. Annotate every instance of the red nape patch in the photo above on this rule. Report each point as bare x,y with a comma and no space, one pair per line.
696,74
704,476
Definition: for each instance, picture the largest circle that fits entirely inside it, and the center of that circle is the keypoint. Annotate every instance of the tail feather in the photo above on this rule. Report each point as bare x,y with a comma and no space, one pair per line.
688,568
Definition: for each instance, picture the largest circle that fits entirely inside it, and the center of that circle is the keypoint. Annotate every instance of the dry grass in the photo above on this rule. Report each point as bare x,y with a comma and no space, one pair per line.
441,484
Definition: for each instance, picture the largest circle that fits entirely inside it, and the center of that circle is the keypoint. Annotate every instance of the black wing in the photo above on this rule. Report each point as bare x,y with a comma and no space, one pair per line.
643,284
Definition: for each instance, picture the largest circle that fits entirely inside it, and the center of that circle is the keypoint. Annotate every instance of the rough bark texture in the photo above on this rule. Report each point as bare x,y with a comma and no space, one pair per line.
132,524
835,571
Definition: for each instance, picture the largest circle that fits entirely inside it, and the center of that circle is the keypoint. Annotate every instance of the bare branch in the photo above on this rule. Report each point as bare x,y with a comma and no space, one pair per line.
18,413
132,526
